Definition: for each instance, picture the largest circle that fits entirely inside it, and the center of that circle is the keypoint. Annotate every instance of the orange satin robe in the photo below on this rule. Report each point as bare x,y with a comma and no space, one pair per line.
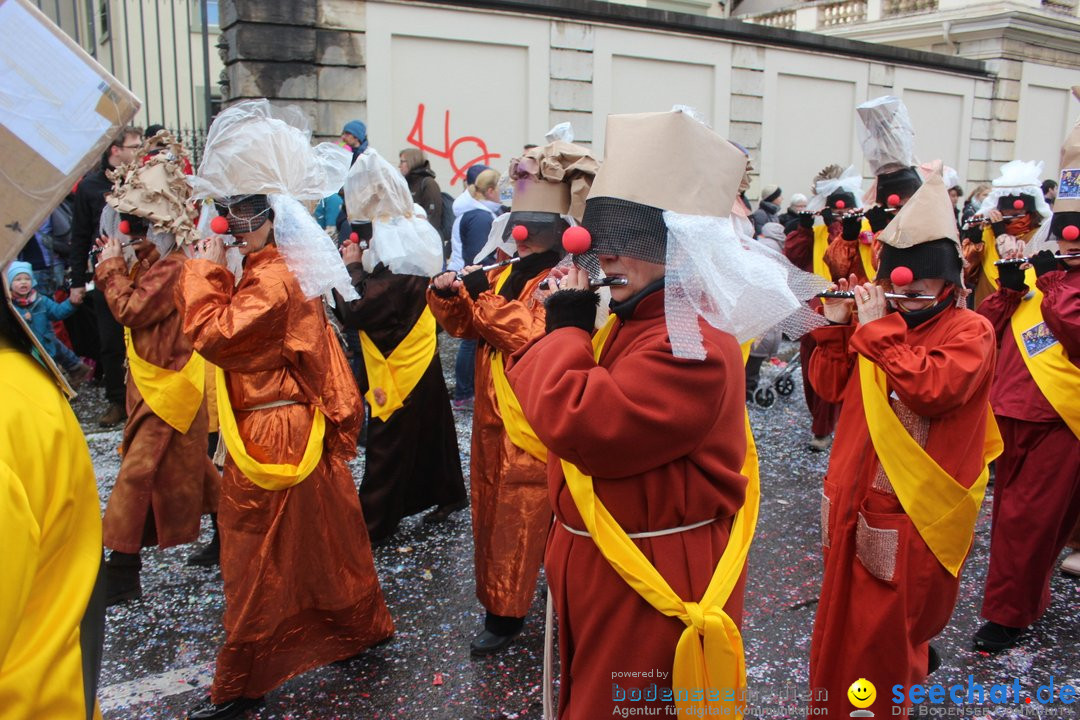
510,511
166,480
300,584
884,595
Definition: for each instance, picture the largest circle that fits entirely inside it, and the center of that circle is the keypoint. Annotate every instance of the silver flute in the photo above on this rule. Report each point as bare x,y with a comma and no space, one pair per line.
850,295
1022,260
607,281
126,243
492,266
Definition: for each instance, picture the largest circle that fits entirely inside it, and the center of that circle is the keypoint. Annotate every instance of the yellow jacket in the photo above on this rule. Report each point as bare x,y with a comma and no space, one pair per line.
50,532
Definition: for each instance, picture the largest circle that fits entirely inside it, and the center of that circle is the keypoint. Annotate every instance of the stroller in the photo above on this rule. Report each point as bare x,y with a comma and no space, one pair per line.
781,382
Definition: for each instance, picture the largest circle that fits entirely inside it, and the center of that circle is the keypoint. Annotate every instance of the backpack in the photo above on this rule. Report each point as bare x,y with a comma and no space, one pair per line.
446,227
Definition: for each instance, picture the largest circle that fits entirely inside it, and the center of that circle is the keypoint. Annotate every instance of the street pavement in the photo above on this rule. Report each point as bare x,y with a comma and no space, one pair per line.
160,650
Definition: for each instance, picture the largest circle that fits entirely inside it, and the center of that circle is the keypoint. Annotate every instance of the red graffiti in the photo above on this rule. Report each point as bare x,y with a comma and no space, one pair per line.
449,149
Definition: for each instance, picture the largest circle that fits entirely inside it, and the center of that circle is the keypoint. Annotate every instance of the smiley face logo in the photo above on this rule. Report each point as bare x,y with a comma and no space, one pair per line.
862,693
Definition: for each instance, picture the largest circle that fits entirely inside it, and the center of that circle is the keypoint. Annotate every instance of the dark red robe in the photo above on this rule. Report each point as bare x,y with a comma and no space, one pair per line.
884,595
664,440
1037,477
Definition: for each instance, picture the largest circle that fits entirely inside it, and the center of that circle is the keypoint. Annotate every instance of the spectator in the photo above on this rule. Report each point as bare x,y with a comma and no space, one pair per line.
797,205
421,178
464,202
355,136
40,312
47,249
974,200
955,193
1049,188
327,212
89,201
768,209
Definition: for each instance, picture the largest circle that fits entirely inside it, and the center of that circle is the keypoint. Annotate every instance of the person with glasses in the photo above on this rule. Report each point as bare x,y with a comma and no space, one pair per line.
89,202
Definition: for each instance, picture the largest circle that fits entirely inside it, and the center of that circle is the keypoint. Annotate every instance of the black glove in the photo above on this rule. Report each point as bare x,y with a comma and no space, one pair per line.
1044,262
1012,277
445,293
852,228
475,282
806,220
999,227
827,216
878,218
571,308
974,233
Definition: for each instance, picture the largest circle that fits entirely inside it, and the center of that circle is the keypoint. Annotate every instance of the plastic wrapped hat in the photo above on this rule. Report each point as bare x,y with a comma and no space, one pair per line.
664,194
888,142
401,237
255,148
1019,186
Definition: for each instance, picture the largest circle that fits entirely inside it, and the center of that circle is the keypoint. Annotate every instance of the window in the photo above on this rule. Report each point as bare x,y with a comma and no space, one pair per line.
212,14
103,20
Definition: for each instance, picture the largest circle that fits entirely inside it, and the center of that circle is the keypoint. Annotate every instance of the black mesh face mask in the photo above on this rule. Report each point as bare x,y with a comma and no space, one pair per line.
544,228
624,228
244,213
137,226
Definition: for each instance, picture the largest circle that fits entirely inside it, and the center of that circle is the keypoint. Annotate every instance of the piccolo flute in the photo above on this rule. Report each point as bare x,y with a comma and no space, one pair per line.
608,282
1022,260
850,295
483,268
127,243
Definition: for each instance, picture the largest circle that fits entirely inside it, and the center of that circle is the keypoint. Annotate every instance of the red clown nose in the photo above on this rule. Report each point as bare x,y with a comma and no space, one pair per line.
125,227
840,204
219,225
901,275
520,233
894,200
1018,204
354,237
576,240
1070,232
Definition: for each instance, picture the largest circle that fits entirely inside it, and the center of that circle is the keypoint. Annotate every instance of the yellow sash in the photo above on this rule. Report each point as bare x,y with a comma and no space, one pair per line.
517,427
398,374
175,396
866,253
942,510
821,244
990,256
1057,377
268,476
709,655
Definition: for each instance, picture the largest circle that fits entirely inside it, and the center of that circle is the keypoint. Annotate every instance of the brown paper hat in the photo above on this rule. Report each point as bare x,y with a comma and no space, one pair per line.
156,189
553,178
670,161
926,217
1068,197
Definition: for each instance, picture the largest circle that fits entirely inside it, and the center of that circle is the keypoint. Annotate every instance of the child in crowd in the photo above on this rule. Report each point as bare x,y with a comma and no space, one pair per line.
40,312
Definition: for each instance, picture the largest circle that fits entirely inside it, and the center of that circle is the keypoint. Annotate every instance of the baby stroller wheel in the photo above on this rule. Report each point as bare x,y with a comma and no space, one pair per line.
785,385
764,396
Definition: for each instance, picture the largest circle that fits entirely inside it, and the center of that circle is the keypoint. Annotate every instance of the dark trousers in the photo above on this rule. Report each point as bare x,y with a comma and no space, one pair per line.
111,351
465,370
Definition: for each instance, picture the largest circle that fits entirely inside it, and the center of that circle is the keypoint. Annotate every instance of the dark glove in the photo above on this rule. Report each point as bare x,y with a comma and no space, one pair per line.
1012,277
1044,262
475,283
878,218
806,220
445,293
571,308
999,228
974,234
827,216
852,228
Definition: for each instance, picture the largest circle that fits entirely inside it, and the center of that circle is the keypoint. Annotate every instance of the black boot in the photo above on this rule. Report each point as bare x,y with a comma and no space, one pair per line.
498,632
122,578
993,637
209,554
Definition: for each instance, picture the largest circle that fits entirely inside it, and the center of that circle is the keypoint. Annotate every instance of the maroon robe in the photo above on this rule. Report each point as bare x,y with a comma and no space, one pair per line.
664,440
884,594
1037,477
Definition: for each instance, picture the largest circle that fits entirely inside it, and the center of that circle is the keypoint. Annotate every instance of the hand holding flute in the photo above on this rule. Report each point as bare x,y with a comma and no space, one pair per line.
869,299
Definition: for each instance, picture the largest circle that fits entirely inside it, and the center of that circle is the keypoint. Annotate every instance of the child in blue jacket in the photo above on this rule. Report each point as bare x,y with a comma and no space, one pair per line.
40,312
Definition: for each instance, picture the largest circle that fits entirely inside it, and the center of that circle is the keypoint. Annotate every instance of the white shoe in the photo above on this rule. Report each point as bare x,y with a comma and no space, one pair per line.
1071,565
820,443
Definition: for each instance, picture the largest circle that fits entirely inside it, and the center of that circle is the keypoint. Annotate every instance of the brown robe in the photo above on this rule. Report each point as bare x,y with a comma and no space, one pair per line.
510,512
300,584
412,460
166,479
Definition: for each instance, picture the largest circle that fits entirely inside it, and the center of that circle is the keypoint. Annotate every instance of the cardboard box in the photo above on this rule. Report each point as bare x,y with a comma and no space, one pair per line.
59,111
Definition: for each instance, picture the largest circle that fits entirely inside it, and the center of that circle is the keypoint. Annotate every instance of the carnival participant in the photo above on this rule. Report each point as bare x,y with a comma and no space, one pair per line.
412,460
649,474
832,250
888,142
1036,314
1008,219
52,614
166,479
909,467
300,584
510,513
